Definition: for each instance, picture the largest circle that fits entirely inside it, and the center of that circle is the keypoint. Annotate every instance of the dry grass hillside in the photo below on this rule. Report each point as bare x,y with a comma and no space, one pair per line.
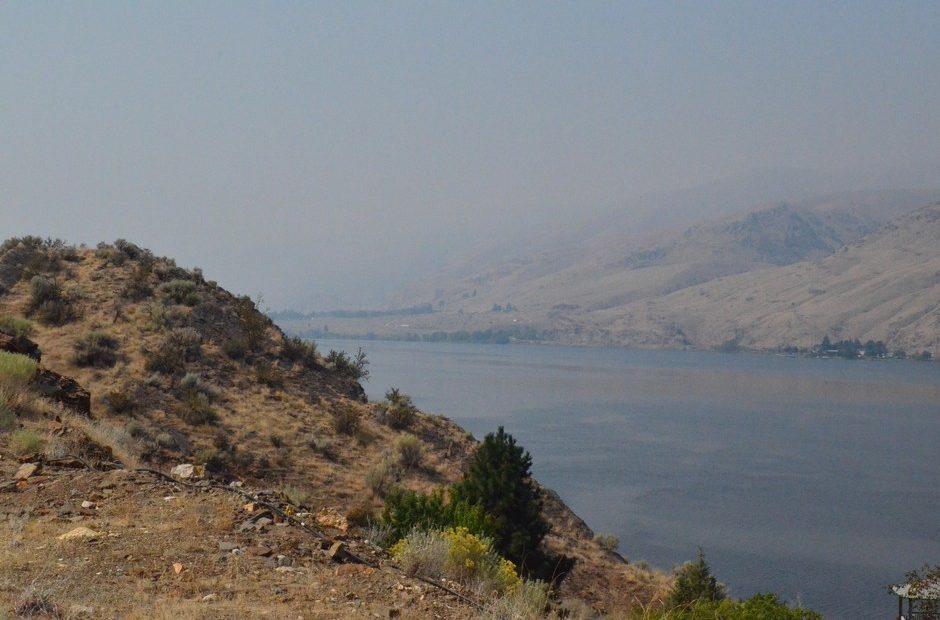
181,371
858,266
883,287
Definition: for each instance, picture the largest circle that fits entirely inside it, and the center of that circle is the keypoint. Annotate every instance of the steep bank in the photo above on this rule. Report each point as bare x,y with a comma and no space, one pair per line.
181,371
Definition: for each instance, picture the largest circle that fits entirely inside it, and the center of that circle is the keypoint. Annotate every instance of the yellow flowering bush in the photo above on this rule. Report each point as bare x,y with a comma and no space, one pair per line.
457,554
467,553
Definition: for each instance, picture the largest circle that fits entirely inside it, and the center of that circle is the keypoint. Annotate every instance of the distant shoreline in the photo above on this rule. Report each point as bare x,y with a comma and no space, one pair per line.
321,336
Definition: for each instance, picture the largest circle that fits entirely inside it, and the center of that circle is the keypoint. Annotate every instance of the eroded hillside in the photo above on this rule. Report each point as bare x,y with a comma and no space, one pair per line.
181,371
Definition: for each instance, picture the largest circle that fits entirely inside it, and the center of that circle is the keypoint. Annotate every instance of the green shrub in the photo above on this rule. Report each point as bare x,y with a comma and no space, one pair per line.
758,607
297,349
406,510
345,420
607,542
351,367
95,349
400,411
499,481
18,328
695,582
25,443
179,347
16,371
180,292
409,451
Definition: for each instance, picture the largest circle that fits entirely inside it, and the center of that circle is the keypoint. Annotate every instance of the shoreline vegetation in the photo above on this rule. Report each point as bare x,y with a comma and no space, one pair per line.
826,349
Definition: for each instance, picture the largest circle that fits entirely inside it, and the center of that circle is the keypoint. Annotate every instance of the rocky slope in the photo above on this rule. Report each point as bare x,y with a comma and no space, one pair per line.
180,371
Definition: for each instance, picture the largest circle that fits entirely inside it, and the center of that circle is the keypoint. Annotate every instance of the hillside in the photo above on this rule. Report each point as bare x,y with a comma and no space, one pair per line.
885,286
652,291
179,371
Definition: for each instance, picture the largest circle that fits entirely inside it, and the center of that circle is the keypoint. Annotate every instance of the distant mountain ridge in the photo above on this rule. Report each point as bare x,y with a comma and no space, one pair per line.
684,288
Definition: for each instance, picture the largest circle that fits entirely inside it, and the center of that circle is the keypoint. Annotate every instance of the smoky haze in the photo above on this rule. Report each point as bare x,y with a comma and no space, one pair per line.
329,155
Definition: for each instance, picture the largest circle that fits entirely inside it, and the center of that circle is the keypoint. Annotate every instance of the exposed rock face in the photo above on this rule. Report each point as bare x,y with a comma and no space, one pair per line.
23,346
64,390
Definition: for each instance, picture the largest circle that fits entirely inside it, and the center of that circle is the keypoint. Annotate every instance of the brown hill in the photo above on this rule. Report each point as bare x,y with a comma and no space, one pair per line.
181,371
680,289
885,286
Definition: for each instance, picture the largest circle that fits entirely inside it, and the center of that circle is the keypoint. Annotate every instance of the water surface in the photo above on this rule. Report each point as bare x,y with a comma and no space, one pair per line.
817,479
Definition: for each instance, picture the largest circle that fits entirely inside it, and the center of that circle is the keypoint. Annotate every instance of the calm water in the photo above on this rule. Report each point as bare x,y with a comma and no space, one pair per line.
817,479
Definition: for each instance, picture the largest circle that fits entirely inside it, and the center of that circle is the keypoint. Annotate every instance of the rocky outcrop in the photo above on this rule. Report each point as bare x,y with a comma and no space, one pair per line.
23,346
64,390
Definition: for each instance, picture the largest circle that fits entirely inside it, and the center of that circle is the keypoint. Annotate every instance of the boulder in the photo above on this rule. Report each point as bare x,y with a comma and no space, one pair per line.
332,518
23,346
338,552
25,471
63,390
185,471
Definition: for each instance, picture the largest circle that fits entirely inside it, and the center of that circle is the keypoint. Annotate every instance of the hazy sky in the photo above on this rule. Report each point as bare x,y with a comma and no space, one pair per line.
325,154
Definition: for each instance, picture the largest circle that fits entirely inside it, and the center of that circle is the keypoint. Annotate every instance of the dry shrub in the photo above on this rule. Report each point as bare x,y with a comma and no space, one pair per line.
409,451
269,375
360,516
235,348
180,292
381,477
49,302
16,370
114,439
197,410
26,443
297,349
399,412
96,349
345,420
18,328
179,347
119,402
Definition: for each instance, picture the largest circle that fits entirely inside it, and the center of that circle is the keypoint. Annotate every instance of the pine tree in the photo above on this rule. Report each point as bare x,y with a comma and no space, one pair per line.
695,582
499,480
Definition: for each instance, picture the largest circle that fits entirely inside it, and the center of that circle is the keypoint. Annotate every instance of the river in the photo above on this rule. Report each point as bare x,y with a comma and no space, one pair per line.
815,479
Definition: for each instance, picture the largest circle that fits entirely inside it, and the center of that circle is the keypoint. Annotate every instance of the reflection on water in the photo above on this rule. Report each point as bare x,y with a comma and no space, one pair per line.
818,479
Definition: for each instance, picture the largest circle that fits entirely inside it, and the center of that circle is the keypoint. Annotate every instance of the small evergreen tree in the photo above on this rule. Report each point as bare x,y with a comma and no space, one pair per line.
499,480
695,582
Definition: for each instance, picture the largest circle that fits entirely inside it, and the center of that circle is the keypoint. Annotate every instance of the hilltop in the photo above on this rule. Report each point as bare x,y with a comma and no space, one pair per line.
146,366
